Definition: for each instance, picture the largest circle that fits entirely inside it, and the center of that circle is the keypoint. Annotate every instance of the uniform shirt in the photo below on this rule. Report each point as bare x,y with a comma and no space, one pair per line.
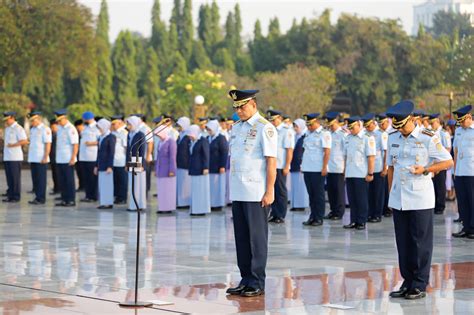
13,134
381,139
464,144
67,137
357,148
90,134
250,143
314,144
149,137
286,140
39,136
120,156
444,136
409,191
336,157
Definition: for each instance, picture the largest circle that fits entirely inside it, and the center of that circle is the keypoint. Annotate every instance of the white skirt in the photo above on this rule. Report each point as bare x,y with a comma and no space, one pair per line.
288,186
106,188
449,180
200,194
217,182
183,188
140,191
299,194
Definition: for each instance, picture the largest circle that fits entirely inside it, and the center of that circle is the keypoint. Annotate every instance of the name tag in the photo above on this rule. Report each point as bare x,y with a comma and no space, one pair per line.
395,145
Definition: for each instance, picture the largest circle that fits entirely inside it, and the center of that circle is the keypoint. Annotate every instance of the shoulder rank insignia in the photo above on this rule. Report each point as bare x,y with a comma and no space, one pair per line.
393,132
263,121
428,133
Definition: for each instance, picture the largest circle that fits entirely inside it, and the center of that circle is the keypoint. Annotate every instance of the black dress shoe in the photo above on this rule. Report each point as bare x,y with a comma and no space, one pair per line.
458,220
460,234
336,218
30,192
105,207
216,208
415,294
120,202
66,204
4,195
87,200
400,293
350,226
297,209
439,211
387,213
36,202
197,214
271,219
58,198
330,215
8,200
313,222
375,220
235,291
164,212
470,236
360,226
251,292
278,221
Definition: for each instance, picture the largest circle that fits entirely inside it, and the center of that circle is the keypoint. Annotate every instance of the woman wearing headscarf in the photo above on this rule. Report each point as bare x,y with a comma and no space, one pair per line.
219,151
299,199
136,148
165,170
183,181
105,164
199,172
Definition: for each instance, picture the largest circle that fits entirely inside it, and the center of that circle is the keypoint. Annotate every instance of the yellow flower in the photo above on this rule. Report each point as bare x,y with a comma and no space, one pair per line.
169,79
218,75
188,87
232,87
209,73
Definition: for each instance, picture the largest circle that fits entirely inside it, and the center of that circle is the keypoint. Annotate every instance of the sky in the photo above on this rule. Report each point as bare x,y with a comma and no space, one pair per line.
135,15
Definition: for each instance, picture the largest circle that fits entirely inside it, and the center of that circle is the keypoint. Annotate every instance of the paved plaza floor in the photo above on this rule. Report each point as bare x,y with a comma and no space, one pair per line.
82,261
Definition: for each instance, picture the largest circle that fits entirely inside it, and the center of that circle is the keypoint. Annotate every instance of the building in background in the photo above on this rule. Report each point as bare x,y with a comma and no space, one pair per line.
423,13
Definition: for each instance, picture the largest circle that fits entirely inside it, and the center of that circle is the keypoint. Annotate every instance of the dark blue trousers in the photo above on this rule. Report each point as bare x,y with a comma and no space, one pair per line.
386,209
251,241
315,186
414,237
336,193
120,183
13,175
464,186
90,180
67,182
377,196
280,204
38,175
439,183
358,194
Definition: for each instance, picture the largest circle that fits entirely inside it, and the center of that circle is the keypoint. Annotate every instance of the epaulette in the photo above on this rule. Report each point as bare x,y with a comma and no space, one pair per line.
428,132
391,133
263,121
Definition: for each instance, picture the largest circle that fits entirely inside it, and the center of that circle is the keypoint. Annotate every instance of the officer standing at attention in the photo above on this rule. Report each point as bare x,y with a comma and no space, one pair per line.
253,152
120,157
413,154
38,156
286,145
88,156
360,161
377,186
384,125
15,138
66,156
464,170
439,179
317,148
335,177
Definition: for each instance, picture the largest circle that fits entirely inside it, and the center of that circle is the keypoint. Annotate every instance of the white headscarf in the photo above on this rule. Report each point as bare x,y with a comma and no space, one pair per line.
194,131
184,122
163,132
135,122
213,125
302,126
104,126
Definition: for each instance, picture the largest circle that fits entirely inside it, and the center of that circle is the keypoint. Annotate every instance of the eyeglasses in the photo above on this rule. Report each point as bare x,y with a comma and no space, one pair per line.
237,108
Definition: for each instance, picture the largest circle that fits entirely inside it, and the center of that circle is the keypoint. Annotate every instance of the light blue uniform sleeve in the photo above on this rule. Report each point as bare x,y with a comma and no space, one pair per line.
47,136
437,151
269,141
289,141
73,136
326,140
370,148
446,140
20,134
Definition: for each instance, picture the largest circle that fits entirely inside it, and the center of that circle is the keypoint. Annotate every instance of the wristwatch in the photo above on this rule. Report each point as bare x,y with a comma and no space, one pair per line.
425,172
371,174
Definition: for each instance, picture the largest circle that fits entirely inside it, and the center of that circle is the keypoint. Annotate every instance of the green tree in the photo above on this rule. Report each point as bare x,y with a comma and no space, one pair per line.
159,37
104,64
237,28
125,72
229,39
223,59
187,34
151,84
448,23
200,59
179,66
176,17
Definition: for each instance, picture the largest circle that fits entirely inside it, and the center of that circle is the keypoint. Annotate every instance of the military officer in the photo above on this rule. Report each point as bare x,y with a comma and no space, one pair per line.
439,179
317,148
253,152
286,145
335,177
359,151
88,147
385,125
413,154
67,147
38,155
464,170
377,186
120,158
15,138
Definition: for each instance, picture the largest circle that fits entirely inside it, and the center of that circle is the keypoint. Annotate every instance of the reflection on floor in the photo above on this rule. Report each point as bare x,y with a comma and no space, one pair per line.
61,261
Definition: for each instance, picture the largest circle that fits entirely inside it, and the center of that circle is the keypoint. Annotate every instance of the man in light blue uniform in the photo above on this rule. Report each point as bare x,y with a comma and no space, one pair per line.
464,170
253,152
286,145
439,179
377,186
66,156
88,155
317,148
360,160
14,139
38,156
413,154
336,164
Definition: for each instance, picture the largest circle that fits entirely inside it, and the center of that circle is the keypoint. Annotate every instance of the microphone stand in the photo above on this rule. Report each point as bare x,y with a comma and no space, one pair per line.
133,165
